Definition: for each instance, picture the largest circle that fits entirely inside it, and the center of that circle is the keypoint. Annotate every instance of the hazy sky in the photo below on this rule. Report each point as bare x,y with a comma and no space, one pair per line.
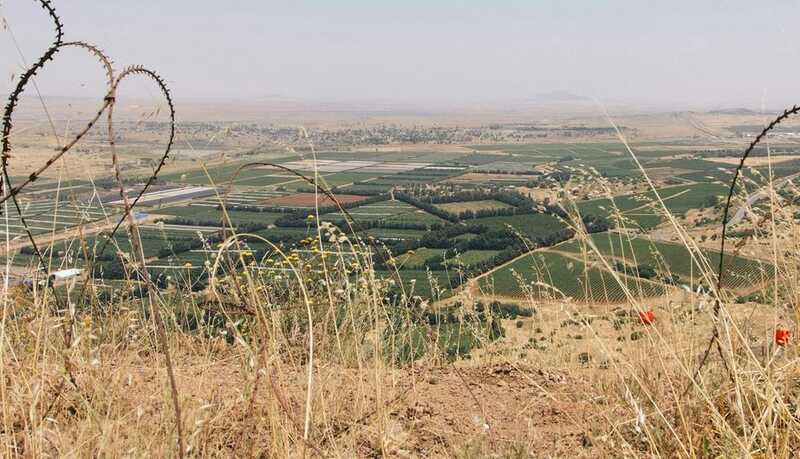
680,53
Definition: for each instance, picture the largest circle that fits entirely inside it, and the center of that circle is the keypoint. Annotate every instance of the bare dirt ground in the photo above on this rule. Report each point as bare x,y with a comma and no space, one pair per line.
412,148
497,407
473,177
429,411
310,199
756,161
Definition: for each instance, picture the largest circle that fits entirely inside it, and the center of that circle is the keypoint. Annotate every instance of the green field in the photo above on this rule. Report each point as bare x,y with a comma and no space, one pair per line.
610,159
528,225
674,258
389,233
375,211
416,216
426,284
547,275
678,199
366,187
70,252
422,172
474,206
417,258
388,211
206,213
471,257
196,257
643,209
510,166
47,216
223,174
330,180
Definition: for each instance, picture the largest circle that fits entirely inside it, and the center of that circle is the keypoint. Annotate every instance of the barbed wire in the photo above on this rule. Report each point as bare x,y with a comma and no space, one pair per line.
793,110
8,191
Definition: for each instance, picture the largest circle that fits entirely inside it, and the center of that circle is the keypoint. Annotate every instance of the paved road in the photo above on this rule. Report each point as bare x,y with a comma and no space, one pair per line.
741,213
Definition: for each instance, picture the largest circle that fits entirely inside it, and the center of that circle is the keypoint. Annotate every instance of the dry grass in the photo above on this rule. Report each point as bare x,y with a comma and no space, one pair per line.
305,360
304,352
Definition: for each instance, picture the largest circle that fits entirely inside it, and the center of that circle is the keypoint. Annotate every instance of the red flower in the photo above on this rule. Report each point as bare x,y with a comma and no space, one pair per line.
647,317
782,336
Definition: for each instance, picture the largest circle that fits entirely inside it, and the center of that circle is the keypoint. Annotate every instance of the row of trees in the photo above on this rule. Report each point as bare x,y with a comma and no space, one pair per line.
596,223
646,271
509,172
299,218
509,247
427,207
241,227
519,203
364,190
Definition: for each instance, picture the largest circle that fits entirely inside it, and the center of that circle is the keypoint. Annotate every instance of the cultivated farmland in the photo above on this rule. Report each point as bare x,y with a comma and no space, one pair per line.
473,206
499,217
546,275
672,258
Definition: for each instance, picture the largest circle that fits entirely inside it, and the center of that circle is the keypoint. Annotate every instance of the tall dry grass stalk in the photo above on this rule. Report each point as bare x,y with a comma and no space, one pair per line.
261,354
309,350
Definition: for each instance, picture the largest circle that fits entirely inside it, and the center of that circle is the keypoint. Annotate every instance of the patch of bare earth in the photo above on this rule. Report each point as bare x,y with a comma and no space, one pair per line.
431,411
310,200
756,161
474,177
500,407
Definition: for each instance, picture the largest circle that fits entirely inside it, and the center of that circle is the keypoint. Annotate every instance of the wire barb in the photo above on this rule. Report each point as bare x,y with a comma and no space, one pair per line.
8,191
793,110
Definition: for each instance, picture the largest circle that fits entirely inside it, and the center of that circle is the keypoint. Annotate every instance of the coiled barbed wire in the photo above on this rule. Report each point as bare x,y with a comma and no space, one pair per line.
162,86
12,192
772,125
793,110
8,191
11,104
25,78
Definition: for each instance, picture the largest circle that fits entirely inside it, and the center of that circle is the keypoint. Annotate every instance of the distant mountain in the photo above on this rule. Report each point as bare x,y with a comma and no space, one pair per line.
559,97
733,111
